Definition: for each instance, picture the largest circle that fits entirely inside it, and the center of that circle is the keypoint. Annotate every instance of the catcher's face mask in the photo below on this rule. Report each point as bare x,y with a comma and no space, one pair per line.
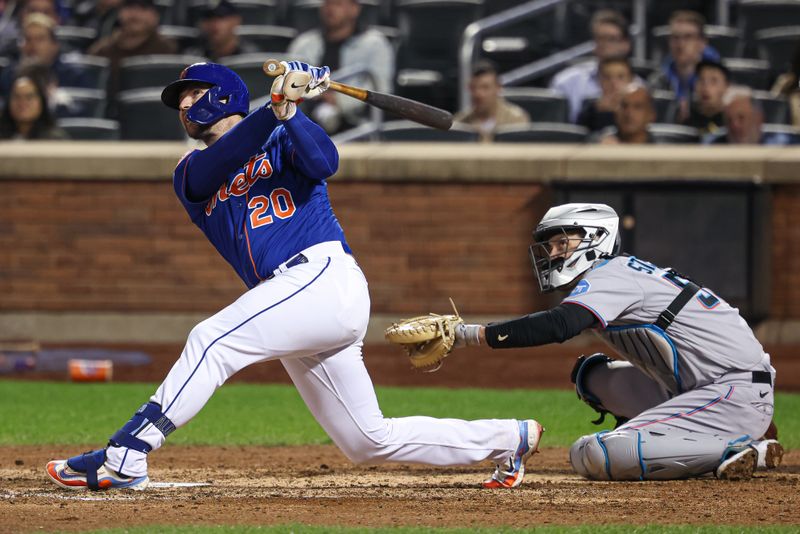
560,255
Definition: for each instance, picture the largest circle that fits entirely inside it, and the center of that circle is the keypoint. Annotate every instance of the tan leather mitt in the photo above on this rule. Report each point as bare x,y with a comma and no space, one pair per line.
427,339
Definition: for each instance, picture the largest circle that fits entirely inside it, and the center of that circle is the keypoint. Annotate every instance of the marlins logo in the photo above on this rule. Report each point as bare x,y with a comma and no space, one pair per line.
582,287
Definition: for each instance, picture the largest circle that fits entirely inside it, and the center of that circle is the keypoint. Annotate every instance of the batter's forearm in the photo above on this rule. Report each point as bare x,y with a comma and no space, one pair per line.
315,155
210,167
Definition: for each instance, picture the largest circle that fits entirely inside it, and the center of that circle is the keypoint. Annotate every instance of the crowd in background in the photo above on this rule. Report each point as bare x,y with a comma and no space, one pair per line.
604,92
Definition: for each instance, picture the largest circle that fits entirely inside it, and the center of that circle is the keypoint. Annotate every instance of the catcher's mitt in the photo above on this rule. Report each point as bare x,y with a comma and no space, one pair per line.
427,339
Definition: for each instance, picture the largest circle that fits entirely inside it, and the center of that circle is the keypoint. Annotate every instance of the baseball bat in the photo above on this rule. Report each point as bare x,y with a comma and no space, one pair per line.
402,107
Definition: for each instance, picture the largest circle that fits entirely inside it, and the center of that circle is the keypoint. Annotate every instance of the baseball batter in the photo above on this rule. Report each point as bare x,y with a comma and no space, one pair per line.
259,194
693,391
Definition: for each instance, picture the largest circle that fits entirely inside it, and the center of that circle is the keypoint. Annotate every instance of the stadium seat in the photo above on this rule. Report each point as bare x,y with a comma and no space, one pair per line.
79,102
726,40
272,38
143,116
96,67
754,73
185,36
431,32
249,68
543,132
674,134
792,132
138,72
89,129
412,132
255,12
776,109
755,15
304,14
664,102
777,46
428,86
643,68
543,105
75,38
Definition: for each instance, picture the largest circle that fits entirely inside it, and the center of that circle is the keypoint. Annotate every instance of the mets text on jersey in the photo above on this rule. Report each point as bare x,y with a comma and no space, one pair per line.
257,167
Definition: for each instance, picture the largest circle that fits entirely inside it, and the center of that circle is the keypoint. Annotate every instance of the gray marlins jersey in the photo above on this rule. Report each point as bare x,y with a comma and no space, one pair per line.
707,339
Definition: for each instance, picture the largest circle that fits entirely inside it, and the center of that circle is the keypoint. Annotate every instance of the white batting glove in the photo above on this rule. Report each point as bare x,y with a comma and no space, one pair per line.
467,334
320,77
287,90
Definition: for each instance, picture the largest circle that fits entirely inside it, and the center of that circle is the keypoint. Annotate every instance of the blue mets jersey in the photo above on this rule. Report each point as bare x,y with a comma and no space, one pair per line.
259,193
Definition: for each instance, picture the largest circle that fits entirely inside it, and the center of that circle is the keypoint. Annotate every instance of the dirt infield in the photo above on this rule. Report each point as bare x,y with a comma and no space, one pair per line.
317,485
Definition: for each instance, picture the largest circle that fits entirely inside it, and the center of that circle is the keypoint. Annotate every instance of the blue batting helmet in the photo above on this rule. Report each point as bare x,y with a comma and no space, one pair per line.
226,96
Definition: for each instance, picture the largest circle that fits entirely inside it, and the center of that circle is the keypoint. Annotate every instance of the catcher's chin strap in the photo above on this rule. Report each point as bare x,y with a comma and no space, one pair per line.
578,377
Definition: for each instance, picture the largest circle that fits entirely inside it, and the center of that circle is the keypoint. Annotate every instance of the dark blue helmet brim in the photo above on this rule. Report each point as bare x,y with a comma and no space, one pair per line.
171,94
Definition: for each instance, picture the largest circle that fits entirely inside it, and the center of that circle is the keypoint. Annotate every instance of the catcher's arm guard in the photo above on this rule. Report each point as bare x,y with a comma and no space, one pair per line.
426,339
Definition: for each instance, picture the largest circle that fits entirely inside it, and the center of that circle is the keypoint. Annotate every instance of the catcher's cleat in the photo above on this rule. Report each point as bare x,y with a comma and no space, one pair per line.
770,453
511,473
88,471
739,464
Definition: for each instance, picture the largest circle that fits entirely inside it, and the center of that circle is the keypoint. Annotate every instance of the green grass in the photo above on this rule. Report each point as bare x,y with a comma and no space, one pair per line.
583,529
244,414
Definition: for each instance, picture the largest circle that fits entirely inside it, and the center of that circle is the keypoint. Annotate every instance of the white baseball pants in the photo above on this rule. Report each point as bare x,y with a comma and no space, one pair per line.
313,317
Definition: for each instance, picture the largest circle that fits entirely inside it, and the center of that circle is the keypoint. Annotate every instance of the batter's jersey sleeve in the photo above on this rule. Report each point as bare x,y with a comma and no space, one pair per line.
608,290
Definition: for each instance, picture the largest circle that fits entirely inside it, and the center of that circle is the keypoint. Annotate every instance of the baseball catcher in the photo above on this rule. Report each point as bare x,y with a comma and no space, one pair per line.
691,388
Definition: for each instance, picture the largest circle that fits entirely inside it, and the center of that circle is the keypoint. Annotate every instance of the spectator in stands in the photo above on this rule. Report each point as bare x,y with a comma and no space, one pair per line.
788,85
614,74
39,44
137,35
10,28
633,117
26,115
744,120
218,23
688,46
100,15
581,82
341,43
706,112
489,109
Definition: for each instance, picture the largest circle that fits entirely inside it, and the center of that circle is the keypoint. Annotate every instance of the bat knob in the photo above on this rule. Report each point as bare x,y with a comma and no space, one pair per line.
273,67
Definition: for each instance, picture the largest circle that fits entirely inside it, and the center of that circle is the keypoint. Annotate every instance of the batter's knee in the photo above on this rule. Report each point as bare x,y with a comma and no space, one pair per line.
608,456
365,447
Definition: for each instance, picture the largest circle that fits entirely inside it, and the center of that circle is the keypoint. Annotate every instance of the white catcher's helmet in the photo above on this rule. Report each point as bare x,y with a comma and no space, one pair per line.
598,225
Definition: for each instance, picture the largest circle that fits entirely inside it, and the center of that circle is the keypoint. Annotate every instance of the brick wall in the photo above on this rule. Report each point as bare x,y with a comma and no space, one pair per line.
785,246
129,246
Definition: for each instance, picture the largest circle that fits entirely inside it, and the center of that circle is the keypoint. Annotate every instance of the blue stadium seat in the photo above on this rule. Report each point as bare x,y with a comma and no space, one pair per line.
672,134
543,105
90,129
412,132
267,38
138,72
543,132
143,116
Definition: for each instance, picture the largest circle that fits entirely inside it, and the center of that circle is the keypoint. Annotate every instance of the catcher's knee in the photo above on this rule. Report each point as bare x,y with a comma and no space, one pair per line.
612,455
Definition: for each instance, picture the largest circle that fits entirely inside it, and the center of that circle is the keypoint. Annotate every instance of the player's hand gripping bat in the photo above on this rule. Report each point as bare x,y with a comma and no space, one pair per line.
397,105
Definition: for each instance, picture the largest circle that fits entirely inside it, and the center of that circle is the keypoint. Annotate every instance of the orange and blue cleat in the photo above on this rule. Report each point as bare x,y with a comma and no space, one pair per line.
88,472
511,473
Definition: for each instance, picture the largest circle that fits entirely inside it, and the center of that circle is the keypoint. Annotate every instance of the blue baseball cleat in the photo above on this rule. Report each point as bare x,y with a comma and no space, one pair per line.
511,473
88,471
